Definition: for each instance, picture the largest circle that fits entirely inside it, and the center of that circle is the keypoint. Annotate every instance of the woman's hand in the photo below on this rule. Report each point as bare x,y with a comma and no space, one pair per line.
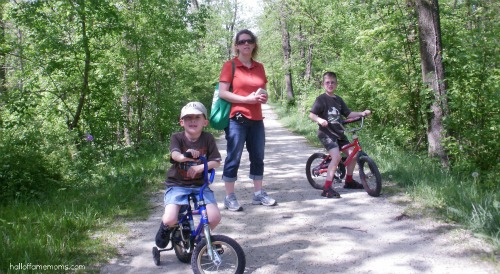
262,98
253,99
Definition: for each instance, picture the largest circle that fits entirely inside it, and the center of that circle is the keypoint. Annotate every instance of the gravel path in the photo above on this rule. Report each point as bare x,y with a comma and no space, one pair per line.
306,233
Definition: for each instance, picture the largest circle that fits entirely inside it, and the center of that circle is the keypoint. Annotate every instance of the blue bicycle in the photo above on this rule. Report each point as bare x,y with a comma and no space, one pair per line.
207,253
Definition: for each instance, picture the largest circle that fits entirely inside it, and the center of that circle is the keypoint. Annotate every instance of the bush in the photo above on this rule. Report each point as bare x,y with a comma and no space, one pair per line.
25,172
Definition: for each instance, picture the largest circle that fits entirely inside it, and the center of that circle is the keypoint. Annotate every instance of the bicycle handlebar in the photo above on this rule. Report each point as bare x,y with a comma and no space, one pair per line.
207,180
352,120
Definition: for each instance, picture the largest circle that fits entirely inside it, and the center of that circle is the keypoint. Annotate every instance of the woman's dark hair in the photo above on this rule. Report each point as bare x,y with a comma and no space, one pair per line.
252,36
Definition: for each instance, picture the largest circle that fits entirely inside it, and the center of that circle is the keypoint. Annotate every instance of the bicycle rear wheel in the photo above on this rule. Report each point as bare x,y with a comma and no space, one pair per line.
232,257
317,167
183,249
316,170
370,176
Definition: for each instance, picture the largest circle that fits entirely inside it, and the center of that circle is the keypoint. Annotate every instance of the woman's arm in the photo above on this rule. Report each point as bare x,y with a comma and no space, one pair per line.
225,94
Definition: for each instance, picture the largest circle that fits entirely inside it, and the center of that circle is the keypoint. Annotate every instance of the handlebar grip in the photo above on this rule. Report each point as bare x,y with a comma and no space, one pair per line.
188,154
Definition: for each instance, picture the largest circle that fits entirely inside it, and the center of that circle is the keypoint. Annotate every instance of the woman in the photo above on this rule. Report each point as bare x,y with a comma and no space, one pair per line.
246,124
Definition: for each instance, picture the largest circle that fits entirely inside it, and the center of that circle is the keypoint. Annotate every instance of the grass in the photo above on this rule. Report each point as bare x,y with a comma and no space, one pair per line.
72,225
451,196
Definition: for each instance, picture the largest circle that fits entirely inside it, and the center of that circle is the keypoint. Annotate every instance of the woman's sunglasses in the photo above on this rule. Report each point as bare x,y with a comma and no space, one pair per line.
242,42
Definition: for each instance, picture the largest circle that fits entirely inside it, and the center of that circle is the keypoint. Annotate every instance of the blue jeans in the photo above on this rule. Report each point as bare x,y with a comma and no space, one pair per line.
179,195
237,134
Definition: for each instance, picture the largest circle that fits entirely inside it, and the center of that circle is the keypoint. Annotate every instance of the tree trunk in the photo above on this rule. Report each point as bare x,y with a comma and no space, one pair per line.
287,51
127,111
306,49
86,71
194,5
230,29
2,53
433,75
309,59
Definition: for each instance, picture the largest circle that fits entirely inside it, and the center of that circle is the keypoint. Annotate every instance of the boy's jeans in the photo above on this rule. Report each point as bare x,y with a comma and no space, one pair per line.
253,133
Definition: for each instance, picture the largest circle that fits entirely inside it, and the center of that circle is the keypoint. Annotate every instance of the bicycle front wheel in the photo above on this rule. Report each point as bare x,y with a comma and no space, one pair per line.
370,176
231,255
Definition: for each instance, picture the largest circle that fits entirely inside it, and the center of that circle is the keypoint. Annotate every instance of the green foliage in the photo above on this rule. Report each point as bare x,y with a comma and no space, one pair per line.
25,173
472,65
60,229
374,49
32,162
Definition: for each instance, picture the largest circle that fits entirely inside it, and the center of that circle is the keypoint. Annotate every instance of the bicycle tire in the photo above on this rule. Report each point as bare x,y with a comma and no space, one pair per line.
340,172
156,256
231,254
317,179
183,249
370,176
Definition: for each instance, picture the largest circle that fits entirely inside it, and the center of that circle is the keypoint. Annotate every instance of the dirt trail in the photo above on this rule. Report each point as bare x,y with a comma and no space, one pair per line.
307,233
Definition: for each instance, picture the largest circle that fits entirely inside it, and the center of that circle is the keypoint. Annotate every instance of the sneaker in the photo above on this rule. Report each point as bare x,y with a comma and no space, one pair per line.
330,193
263,199
231,203
162,236
353,185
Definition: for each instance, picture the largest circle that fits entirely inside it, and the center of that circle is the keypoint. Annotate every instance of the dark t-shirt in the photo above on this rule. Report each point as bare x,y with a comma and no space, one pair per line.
177,174
331,108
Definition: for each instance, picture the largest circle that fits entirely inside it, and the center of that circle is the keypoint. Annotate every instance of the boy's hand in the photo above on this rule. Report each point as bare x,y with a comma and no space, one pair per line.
366,113
322,122
194,170
195,154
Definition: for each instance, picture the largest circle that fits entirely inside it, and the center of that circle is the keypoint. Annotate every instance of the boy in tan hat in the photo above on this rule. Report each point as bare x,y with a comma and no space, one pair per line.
185,176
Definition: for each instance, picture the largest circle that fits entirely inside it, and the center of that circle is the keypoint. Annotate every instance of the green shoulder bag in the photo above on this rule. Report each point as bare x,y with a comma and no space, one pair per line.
219,114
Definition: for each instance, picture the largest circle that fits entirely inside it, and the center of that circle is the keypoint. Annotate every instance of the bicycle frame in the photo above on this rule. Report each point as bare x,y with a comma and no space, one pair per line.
355,144
369,174
197,245
201,210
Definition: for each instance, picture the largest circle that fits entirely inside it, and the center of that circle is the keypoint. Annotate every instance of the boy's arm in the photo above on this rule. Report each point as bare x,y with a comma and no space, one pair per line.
213,164
355,114
194,170
320,121
179,157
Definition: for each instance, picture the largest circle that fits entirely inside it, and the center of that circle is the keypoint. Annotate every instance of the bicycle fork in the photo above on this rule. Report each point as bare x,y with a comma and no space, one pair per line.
213,254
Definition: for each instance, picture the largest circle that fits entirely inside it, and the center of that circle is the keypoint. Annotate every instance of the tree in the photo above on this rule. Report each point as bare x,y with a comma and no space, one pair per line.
287,51
433,75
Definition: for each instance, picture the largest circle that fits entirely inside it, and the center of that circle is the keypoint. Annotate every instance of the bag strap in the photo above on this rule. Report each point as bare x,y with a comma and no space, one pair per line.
233,66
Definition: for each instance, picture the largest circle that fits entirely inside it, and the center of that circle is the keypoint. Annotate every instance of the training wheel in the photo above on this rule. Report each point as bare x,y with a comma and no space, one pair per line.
156,255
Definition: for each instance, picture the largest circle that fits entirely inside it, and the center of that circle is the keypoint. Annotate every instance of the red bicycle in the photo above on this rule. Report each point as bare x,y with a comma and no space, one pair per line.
317,165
